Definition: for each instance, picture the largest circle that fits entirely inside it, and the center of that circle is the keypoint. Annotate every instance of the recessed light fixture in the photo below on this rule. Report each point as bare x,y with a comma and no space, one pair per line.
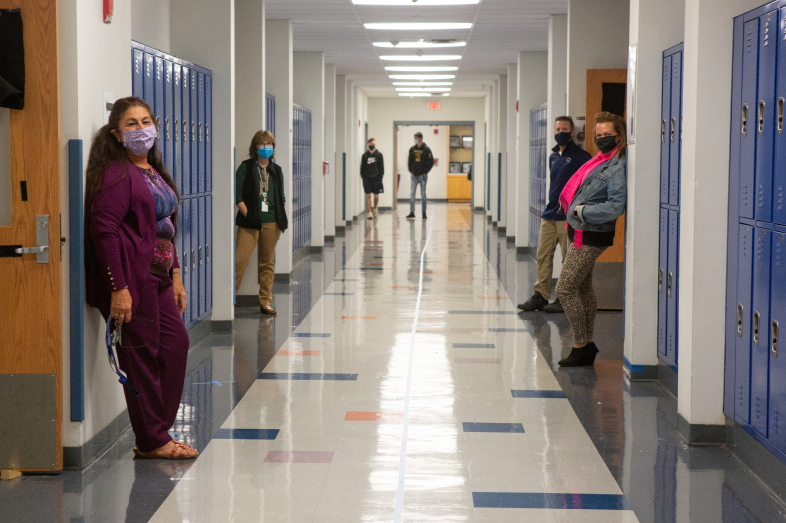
423,89
415,2
421,58
414,94
422,84
418,26
445,94
422,76
422,68
418,45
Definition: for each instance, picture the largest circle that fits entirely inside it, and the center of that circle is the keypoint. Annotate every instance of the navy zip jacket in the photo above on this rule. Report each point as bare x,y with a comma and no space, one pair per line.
563,166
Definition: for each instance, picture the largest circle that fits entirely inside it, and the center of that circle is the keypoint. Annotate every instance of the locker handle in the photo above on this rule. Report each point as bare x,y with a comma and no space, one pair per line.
193,259
660,280
739,320
200,256
761,117
774,338
780,115
200,131
744,120
663,131
669,284
193,133
207,252
158,123
167,128
207,132
185,263
175,129
185,130
673,126
756,320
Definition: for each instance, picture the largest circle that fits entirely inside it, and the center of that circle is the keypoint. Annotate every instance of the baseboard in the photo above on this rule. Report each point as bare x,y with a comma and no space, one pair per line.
480,209
330,238
488,218
341,231
247,300
501,230
698,434
384,209
639,372
222,326
667,377
78,458
765,467
315,249
510,240
280,277
200,330
493,223
527,251
349,224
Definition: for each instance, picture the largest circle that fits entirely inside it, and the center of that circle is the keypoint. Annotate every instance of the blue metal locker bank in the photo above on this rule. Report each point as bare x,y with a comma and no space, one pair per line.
538,141
755,372
301,177
181,96
669,229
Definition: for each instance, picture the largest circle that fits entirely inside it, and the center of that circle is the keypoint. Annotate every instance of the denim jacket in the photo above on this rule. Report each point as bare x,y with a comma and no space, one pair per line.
601,198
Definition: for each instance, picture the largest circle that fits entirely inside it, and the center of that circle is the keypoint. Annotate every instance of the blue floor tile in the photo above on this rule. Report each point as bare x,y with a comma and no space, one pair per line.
473,346
494,427
246,434
549,501
538,394
306,376
481,312
337,293
338,279
508,330
310,334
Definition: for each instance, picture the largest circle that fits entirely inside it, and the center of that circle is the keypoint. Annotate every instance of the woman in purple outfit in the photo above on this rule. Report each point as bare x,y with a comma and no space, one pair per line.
133,276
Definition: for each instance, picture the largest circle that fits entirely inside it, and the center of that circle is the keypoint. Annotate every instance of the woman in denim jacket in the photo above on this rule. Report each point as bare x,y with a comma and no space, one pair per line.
593,200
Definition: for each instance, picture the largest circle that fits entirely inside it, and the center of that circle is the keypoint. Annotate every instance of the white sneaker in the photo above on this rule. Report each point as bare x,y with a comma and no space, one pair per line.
376,213
370,215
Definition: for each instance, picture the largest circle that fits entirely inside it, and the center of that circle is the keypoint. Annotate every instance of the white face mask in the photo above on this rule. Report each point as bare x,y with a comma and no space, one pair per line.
416,142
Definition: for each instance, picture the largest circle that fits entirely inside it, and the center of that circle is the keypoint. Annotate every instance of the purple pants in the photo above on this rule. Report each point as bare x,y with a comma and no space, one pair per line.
153,354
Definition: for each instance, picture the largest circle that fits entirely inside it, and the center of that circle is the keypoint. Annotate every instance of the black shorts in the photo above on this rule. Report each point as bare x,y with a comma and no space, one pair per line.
373,185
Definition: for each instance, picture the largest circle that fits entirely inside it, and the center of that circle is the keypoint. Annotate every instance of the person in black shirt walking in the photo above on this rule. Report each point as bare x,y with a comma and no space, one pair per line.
420,163
566,158
372,169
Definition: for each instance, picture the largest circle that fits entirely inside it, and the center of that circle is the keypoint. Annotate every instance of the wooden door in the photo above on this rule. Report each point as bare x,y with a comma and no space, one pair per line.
31,347
459,186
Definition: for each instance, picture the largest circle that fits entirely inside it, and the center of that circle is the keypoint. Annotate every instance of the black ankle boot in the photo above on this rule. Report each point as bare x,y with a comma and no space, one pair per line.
582,357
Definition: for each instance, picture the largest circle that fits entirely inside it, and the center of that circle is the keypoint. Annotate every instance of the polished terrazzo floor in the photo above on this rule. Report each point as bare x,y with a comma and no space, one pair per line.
398,383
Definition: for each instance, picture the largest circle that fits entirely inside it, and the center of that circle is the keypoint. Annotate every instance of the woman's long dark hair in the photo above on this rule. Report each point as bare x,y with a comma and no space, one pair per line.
106,149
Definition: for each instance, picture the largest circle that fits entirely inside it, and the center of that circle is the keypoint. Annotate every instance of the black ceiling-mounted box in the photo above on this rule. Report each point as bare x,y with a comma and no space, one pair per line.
12,60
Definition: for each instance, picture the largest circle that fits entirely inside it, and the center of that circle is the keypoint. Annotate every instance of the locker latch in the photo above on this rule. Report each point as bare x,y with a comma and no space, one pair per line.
673,125
167,128
193,260
756,319
663,131
660,280
185,130
175,129
200,131
200,256
669,284
744,120
207,252
761,117
193,132
207,132
774,338
780,115
739,320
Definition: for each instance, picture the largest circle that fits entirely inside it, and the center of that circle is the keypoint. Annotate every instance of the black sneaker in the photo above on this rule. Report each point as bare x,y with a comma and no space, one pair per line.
556,306
410,215
424,216
535,303
583,357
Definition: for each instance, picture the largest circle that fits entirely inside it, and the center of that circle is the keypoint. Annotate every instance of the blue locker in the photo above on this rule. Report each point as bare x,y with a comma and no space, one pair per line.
202,250
750,63
742,363
185,131
672,286
663,270
193,117
138,78
208,251
159,108
777,408
779,170
149,80
208,126
169,117
760,340
675,130
200,130
765,115
195,283
177,142
185,266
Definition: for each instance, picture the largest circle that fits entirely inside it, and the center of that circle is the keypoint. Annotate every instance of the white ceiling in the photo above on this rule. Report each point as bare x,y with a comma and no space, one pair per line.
501,29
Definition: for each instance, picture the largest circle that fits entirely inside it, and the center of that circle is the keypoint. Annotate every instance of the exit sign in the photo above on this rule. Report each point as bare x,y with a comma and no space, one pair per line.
433,105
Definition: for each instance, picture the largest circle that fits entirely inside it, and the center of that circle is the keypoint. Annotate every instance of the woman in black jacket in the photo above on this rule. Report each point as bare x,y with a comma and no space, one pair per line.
261,217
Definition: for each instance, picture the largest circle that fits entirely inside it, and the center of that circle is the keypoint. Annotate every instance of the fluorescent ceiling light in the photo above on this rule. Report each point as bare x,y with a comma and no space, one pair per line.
422,83
445,94
414,94
424,89
422,76
418,26
415,2
421,58
422,68
419,45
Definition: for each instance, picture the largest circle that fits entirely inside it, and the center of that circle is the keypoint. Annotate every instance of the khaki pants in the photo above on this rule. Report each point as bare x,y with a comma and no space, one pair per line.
247,240
551,233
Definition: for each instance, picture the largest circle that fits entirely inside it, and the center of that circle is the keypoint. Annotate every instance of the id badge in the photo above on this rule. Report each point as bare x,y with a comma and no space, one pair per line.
264,206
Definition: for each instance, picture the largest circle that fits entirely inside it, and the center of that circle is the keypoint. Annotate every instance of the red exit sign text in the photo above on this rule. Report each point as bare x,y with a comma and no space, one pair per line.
433,105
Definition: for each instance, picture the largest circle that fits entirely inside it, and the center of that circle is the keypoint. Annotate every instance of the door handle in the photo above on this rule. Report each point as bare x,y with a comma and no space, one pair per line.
756,320
739,320
41,250
31,250
673,125
744,120
669,285
660,280
774,338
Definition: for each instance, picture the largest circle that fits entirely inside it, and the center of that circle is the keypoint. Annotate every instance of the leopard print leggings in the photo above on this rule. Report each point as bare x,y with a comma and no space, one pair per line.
575,292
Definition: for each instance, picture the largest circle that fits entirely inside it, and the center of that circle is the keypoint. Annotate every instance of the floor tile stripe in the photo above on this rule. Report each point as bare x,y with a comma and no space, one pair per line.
300,376
481,312
550,501
508,330
268,434
310,335
299,456
299,353
474,346
517,428
538,394
372,416
358,317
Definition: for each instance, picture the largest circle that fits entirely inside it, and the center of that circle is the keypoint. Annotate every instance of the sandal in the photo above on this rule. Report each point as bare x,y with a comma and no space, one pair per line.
269,312
179,451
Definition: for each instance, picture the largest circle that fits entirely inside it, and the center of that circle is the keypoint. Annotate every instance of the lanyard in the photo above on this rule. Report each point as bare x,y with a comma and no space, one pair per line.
112,339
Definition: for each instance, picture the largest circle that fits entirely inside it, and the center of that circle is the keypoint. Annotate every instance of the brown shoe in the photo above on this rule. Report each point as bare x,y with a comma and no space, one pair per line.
269,312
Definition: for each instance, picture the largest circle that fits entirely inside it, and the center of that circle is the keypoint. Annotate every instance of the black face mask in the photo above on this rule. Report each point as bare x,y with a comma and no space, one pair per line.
371,148
606,144
563,139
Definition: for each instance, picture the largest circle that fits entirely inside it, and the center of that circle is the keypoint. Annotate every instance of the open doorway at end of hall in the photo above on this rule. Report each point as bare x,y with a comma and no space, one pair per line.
453,147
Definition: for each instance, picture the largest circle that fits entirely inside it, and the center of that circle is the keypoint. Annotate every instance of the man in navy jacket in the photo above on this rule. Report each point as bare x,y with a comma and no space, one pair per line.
566,158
